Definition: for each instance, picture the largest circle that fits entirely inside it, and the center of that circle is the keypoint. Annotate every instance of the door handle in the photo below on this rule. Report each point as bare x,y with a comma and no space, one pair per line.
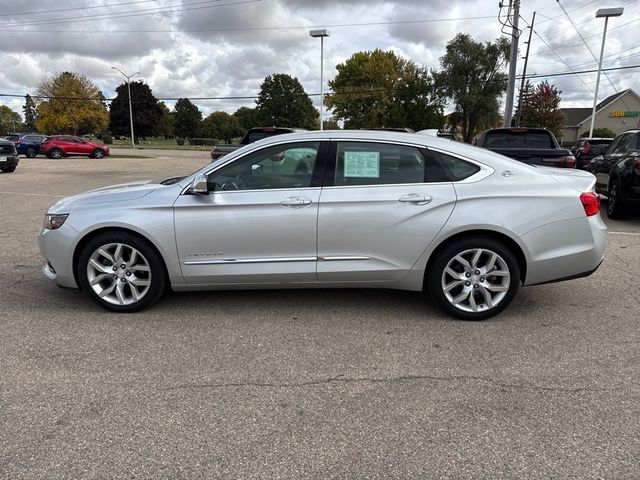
295,202
416,198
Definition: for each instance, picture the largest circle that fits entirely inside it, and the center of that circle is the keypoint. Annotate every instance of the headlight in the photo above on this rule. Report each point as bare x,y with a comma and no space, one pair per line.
55,221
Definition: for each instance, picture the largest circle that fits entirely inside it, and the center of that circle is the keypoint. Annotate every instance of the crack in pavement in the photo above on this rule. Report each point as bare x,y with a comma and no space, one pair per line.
343,379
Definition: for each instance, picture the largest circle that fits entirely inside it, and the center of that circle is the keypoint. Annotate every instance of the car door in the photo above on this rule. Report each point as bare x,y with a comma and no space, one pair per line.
614,153
258,223
381,207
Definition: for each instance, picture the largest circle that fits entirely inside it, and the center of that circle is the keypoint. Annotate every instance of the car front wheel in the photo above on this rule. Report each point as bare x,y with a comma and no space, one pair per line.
97,153
121,272
8,169
31,152
474,278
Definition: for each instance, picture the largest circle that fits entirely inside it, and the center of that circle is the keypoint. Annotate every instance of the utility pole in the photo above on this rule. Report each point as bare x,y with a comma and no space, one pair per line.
508,109
524,71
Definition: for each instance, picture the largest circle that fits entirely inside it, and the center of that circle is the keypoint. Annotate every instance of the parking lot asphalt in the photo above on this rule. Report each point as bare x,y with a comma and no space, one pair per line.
307,384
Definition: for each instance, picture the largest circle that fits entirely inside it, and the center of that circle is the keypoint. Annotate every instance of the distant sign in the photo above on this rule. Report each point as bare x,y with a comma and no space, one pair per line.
362,164
621,113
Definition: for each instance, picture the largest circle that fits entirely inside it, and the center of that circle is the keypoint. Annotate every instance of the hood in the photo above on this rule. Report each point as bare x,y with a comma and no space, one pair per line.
115,193
577,179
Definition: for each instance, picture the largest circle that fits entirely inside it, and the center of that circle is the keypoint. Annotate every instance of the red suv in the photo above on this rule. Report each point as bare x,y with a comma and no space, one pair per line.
58,146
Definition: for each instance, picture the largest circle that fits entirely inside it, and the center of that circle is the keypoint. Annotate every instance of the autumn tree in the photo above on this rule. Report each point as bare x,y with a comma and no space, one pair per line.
71,104
283,102
541,108
187,119
10,121
30,113
471,76
381,89
221,125
147,114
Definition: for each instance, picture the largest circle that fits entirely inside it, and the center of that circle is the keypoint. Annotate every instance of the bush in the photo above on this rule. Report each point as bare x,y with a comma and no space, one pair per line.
203,141
180,141
107,138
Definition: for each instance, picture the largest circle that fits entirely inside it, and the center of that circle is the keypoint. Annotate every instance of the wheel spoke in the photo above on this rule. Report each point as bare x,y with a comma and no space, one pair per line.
107,291
139,268
134,291
99,267
492,262
498,273
452,285
472,302
476,258
453,274
107,255
492,287
99,278
460,297
117,254
120,293
462,261
139,282
134,256
488,300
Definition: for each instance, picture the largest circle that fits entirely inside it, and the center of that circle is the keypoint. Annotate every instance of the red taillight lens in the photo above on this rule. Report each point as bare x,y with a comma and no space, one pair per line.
636,167
590,202
568,161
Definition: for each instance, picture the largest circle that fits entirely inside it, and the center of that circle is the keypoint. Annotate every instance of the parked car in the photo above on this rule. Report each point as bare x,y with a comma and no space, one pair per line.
8,156
368,210
12,137
29,144
535,146
58,146
587,148
252,135
617,173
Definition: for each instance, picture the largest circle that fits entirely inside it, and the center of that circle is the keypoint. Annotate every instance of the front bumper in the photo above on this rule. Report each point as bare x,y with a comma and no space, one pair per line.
9,161
57,247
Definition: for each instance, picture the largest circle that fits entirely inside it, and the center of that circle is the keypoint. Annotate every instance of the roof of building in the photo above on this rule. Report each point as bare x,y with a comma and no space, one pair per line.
576,116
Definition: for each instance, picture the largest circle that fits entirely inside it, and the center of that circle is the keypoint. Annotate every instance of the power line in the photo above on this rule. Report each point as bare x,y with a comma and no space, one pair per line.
92,7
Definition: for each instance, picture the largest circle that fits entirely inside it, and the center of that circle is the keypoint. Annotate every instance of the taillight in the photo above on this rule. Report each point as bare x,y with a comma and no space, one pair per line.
636,167
568,161
591,203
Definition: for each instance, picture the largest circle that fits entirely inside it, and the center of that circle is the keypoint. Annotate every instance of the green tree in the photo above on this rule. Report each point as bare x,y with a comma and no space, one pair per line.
10,121
283,102
147,114
187,119
73,104
541,108
381,89
167,121
331,124
471,76
247,118
523,97
30,113
599,133
221,125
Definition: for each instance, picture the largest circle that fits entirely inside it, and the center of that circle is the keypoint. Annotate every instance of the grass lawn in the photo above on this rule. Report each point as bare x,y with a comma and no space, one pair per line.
160,143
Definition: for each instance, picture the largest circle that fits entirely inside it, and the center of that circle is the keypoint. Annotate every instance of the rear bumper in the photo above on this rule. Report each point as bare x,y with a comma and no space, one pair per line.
579,254
10,161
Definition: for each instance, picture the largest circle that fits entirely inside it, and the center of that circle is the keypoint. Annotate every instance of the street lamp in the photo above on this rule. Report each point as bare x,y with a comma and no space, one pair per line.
606,13
128,77
315,34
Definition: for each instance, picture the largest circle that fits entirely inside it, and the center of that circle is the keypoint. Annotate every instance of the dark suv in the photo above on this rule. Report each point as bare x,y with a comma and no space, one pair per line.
617,173
29,144
587,148
8,156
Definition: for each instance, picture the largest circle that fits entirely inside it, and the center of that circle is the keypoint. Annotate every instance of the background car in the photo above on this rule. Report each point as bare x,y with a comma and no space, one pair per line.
587,148
365,209
8,156
58,146
12,137
617,173
29,144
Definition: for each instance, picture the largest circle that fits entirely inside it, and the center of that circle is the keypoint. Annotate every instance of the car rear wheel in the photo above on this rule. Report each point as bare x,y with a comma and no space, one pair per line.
474,278
55,153
615,207
31,153
97,153
8,169
121,272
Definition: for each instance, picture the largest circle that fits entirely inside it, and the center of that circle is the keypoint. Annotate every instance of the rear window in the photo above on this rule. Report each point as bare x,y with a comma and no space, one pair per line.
511,139
256,135
600,142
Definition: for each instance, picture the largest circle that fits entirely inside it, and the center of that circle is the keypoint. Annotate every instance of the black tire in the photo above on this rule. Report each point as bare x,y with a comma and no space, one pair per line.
97,153
470,282
31,153
122,279
8,169
55,153
615,208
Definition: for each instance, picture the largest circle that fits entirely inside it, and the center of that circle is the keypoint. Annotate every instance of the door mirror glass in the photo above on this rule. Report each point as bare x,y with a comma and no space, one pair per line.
199,186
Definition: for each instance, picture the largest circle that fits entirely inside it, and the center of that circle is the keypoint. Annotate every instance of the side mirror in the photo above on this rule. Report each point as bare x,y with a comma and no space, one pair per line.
199,186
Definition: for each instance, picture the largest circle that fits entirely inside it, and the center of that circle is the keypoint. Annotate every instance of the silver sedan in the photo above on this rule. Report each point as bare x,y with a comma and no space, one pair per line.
333,209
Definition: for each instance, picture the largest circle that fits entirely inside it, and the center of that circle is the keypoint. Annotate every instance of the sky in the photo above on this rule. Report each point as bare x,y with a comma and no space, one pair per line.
225,48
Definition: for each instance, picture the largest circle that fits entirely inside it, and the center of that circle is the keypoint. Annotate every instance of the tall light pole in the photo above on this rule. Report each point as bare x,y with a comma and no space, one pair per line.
128,77
606,13
513,59
315,34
